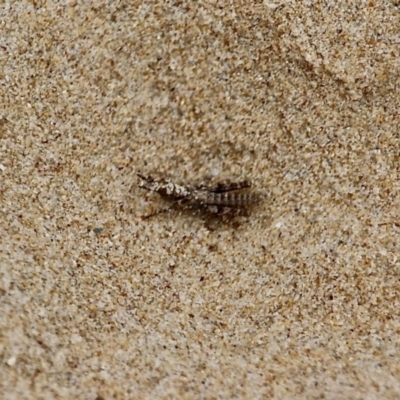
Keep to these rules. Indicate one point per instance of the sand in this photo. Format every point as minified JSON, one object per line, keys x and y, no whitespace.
{"x":297,"y":300}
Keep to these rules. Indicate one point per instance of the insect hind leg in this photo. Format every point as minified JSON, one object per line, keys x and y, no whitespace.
{"x":223,"y":187}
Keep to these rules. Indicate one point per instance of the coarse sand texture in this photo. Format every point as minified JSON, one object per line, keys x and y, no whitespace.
{"x":297,"y":299}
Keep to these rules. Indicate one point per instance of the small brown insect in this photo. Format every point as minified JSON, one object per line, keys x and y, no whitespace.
{"x":222,"y":198}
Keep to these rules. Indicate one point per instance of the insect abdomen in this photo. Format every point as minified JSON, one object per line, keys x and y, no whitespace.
{"x":229,"y":199}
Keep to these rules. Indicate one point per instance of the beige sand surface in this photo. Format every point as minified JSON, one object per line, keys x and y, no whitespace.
{"x":298,"y":301}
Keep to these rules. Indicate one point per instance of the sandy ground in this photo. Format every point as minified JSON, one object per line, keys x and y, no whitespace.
{"x":299,"y":300}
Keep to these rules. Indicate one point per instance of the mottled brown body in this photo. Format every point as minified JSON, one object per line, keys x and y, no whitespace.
{"x":216,"y":199}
